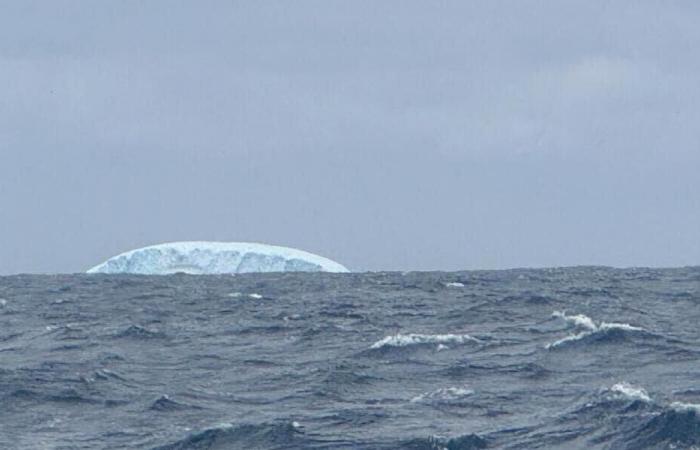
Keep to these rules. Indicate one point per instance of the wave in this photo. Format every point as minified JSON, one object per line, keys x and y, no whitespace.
{"x":137,"y":332}
{"x":627,"y":384}
{"x":404,"y":340}
{"x":164,"y":404}
{"x":290,"y":436}
{"x":67,"y":332}
{"x":466,"y":442}
{"x":102,"y":376}
{"x":344,"y":383}
{"x":525,"y":370}
{"x":66,"y":396}
{"x":247,"y":436}
{"x":443,"y":395}
{"x":631,"y":392}
{"x":527,"y":298}
{"x":681,"y":407}
{"x":360,"y":417}
{"x":106,"y":374}
{"x":601,"y":330}
{"x":677,"y":426}
{"x":625,"y":417}
{"x":344,"y":376}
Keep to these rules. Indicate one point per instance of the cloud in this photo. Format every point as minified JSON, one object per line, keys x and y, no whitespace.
{"x":387,"y":134}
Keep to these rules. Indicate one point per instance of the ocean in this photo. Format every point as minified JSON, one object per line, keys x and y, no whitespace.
{"x":570,"y":358}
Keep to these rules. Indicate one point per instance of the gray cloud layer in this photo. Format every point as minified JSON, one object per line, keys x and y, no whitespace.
{"x":386,"y":135}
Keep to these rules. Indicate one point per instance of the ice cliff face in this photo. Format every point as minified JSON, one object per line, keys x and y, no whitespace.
{"x":215,"y":257}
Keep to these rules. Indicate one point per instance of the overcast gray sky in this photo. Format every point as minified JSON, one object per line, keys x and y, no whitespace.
{"x":387,"y":135}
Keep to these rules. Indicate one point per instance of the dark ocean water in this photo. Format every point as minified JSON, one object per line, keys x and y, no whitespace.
{"x":579,"y":358}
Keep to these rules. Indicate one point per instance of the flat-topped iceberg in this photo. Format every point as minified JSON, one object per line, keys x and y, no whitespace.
{"x":215,"y":258}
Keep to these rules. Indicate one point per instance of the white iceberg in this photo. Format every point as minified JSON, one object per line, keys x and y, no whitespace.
{"x":215,"y":258}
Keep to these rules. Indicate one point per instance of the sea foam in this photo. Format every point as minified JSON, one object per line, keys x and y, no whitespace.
{"x":589,"y":327}
{"x":403,"y":340}
{"x":443,"y":395}
{"x":631,"y":392}
{"x":686,"y":407}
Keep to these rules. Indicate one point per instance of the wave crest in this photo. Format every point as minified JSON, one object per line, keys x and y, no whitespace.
{"x":404,"y":340}
{"x":590,"y":328}
{"x":631,"y":392}
{"x":443,"y":395}
{"x":226,"y":436}
{"x":466,"y":442}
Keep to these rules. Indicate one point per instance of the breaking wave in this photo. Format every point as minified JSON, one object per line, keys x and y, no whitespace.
{"x":405,"y":340}
{"x":591,"y":329}
{"x":631,"y":392}
{"x":443,"y":395}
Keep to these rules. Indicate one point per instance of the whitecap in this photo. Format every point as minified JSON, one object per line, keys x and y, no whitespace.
{"x":455,"y":284}
{"x":631,"y":392}
{"x":3,"y":302}
{"x":590,"y":327}
{"x":403,"y":340}
{"x":240,"y":294}
{"x":618,"y":326}
{"x":686,"y":407}
{"x":574,"y":337}
{"x":578,"y":320}
{"x":450,"y":394}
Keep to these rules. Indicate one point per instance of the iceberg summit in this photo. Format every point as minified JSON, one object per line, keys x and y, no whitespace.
{"x":215,"y":258}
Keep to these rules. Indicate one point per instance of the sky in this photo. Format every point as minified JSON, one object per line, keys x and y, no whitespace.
{"x":386,"y":135}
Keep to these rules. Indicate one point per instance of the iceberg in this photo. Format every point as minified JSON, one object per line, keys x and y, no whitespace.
{"x":215,"y":258}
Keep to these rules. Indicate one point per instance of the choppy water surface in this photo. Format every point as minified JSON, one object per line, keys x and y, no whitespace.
{"x":581,"y":358}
